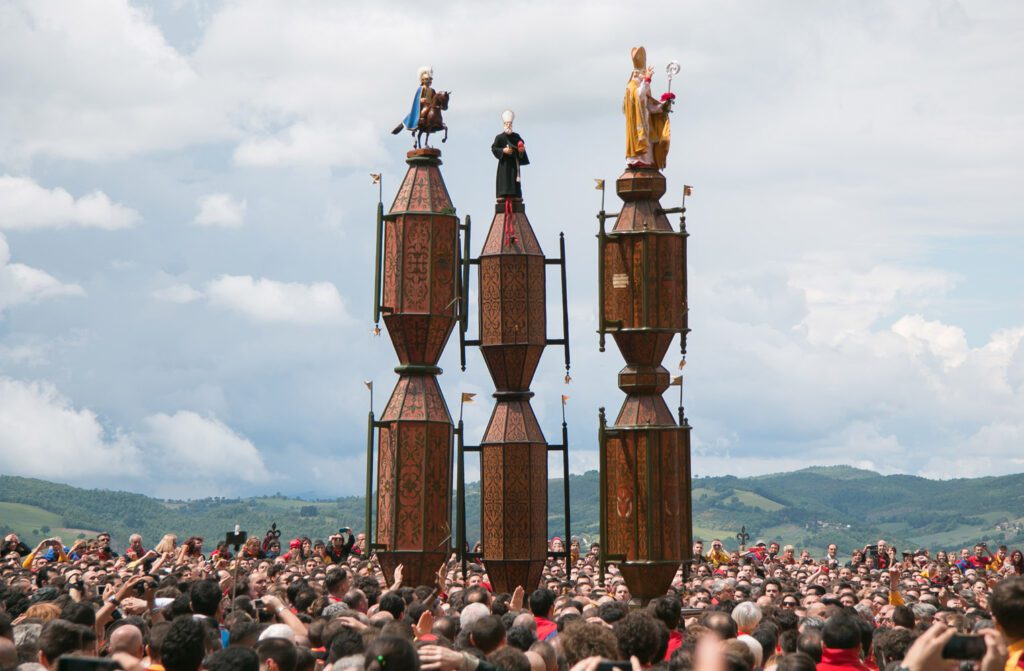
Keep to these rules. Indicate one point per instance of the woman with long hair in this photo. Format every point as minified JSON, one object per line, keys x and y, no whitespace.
{"x":1017,"y":562}
{"x":167,"y":544}
{"x":251,"y":549}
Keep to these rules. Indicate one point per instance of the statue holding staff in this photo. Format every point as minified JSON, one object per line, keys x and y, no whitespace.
{"x":647,"y":125}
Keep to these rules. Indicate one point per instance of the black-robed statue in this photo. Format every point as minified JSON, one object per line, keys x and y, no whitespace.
{"x":510,"y":151}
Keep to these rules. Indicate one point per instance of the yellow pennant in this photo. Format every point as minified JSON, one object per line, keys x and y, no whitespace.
{"x":467,"y":397}
{"x":375,"y":176}
{"x":599,"y":184}
{"x":677,"y":381}
{"x":564,"y":399}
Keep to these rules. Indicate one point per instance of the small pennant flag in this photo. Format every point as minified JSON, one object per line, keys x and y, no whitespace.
{"x":599,"y":184}
{"x":687,"y":190}
{"x":375,"y":176}
{"x":369,"y":384}
{"x":677,"y":381}
{"x":467,"y":397}
{"x":564,"y":399}
{"x":682,"y":364}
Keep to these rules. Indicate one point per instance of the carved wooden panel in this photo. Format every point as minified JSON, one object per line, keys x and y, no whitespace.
{"x":414,"y":462}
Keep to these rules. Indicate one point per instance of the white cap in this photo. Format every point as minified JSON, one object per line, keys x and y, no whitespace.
{"x":278,"y":631}
{"x":508,"y":116}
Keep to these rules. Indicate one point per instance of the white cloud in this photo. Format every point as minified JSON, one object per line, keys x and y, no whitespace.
{"x":43,"y":435}
{"x":843,"y":304}
{"x":856,"y":374}
{"x":98,"y":82}
{"x":177,"y":293}
{"x":265,"y":300}
{"x":21,"y":284}
{"x":26,"y":205}
{"x":220,"y":209}
{"x":948,"y":343}
{"x":203,"y":447}
{"x":182,"y":454}
{"x":312,"y":143}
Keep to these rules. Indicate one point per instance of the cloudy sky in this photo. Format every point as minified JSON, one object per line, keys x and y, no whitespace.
{"x":186,"y":226}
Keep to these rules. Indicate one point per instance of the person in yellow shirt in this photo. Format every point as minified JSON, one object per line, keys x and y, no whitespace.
{"x":55,"y":554}
{"x":718,"y":555}
{"x":1007,"y":602}
{"x":998,"y":560}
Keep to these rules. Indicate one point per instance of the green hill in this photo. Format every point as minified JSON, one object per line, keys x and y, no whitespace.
{"x":808,"y":508}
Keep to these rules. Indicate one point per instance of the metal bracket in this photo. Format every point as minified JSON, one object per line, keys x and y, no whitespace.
{"x":460,"y":494}
{"x":464,"y":263}
{"x":602,"y":240}
{"x":377,"y":260}
{"x":370,"y":426}
{"x":602,"y":424}
{"x":564,"y":449}
{"x":564,"y":340}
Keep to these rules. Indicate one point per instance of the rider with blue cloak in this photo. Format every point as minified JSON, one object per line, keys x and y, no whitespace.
{"x":422,"y":101}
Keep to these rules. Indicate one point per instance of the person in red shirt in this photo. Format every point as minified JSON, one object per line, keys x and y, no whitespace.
{"x":841,"y":644}
{"x":668,"y":609}
{"x":979,"y":560}
{"x":542,"y":605}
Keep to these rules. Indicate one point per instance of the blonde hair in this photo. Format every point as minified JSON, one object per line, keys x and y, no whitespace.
{"x":166,"y":544}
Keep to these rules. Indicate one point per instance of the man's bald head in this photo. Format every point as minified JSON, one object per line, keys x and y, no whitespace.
{"x":526,"y":620}
{"x":536,"y":661}
{"x":127,"y":638}
{"x":547,"y":653}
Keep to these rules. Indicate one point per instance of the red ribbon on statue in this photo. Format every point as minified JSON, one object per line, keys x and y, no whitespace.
{"x":510,"y":232}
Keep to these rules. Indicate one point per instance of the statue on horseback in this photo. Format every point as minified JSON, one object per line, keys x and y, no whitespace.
{"x":425,"y":116}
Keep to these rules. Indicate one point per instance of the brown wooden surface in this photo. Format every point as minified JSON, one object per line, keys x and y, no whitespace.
{"x":646,"y":465}
{"x":414,"y":459}
{"x":513,"y":451}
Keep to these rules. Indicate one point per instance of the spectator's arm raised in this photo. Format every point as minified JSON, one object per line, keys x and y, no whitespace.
{"x":276,"y":606}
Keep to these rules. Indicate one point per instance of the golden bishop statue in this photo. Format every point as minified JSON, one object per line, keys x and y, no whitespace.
{"x":647,"y":125}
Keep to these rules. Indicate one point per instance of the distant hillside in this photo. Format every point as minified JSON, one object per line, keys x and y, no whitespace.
{"x":808,"y":508}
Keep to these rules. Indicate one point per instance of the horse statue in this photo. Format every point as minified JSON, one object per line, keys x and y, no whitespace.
{"x":430,"y":121}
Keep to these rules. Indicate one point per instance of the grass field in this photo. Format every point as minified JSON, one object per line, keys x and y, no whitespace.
{"x":31,"y":522}
{"x":757,"y":501}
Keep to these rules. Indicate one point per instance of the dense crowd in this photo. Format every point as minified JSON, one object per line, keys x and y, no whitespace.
{"x":316,"y":606}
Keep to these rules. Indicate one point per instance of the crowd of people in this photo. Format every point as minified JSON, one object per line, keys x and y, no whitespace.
{"x":326,"y":606}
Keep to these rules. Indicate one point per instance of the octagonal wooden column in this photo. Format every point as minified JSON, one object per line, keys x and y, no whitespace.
{"x":419,"y":302}
{"x":645,"y":455}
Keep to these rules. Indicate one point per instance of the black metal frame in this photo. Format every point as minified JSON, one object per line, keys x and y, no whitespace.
{"x":466,"y":261}
{"x":460,"y":493}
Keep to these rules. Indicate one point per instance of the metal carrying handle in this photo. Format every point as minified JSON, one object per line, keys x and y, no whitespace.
{"x":370,"y":426}
{"x":377,"y":263}
{"x":463,"y":282}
